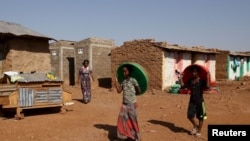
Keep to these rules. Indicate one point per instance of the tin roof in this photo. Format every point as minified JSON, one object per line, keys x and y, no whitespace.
{"x":36,"y":77}
{"x":19,"y":30}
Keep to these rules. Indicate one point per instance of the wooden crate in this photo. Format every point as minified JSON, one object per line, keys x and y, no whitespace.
{"x":22,"y":99}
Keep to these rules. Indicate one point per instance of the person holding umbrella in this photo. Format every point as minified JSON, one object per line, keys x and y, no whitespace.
{"x":196,"y":105}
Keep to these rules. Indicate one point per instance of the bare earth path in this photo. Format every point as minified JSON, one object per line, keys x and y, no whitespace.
{"x":162,"y":116}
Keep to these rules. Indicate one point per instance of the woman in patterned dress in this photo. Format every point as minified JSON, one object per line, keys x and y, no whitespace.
{"x":85,"y":75}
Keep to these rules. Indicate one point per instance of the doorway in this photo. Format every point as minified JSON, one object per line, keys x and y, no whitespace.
{"x":71,"y":71}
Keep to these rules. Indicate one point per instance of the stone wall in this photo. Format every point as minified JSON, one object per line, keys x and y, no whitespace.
{"x":55,"y":61}
{"x":68,"y":70}
{"x":97,"y":51}
{"x":62,"y":59}
{"x":80,"y":56}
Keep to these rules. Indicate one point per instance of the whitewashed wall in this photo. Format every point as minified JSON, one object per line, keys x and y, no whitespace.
{"x":233,"y":75}
{"x":171,"y":63}
{"x":187,"y":60}
{"x":168,"y":69}
{"x":208,"y":61}
{"x":179,"y":61}
{"x":212,"y":67}
{"x":245,"y":64}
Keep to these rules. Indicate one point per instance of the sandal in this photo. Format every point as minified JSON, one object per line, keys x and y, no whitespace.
{"x":193,"y":131}
{"x":197,"y":135}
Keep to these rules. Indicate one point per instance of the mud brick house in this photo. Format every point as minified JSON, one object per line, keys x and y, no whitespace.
{"x":22,"y":49}
{"x":160,"y":60}
{"x":97,"y":51}
{"x":63,"y":60}
{"x":232,"y":66}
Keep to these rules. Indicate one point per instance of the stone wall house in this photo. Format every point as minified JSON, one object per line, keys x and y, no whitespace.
{"x":232,"y":65}
{"x":63,"y":60}
{"x":97,"y":51}
{"x":22,"y":49}
{"x":160,"y":60}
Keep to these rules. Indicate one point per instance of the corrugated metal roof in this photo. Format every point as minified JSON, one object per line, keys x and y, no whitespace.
{"x":36,"y":77}
{"x":19,"y":30}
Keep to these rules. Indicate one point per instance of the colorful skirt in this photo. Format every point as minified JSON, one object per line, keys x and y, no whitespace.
{"x":86,"y":90}
{"x":127,"y":124}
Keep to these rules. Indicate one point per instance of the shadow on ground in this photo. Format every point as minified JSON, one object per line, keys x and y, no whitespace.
{"x":110,"y":128}
{"x":79,"y":100}
{"x":169,"y":125}
{"x":10,"y":113}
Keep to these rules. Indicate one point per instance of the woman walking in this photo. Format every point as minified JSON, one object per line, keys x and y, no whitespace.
{"x":85,"y":75}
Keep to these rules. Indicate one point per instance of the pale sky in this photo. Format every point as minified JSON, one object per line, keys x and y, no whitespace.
{"x":222,"y":24}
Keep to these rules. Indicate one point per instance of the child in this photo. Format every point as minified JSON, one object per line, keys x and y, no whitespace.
{"x":127,"y":125}
{"x":196,"y":105}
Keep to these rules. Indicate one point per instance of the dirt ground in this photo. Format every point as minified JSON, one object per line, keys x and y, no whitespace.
{"x":161,"y":115}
